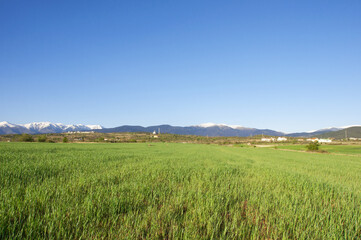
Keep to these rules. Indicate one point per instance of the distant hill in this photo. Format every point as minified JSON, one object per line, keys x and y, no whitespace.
{"x":313,"y":133}
{"x":211,"y":130}
{"x":354,"y":132}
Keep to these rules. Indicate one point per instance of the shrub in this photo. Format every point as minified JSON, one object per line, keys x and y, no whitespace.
{"x":26,"y":138}
{"x":42,"y":138}
{"x":65,"y":140}
{"x":313,"y":146}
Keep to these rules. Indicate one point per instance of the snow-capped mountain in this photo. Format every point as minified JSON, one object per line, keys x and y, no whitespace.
{"x":207,"y":125}
{"x":9,"y":128}
{"x":43,"y":127}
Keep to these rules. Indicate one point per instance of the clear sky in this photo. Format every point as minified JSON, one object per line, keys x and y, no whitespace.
{"x":283,"y":65}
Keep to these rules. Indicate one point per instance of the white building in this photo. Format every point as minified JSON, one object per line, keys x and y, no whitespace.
{"x":267,"y":139}
{"x":324,"y":140}
{"x":281,"y":139}
{"x":354,"y":139}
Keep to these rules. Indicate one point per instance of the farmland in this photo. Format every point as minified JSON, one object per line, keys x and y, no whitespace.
{"x":176,"y":191}
{"x":352,"y":149}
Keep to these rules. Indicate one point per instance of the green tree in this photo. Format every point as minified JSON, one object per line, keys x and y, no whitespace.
{"x":65,"y":140}
{"x":313,"y":146}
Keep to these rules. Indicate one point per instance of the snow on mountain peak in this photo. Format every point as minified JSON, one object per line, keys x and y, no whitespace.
{"x":6,"y":124}
{"x":333,"y":128}
{"x":37,"y":124}
{"x":206,"y":125}
{"x":93,"y":127}
{"x":350,"y":126}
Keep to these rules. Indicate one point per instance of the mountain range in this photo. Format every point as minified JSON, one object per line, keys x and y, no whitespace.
{"x":206,"y":129}
{"x":211,"y":130}
{"x":43,"y":127}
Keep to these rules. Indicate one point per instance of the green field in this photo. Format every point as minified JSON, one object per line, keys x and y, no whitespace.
{"x":339,"y":149}
{"x":176,"y":191}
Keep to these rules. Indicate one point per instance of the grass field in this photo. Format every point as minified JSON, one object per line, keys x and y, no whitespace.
{"x":341,"y":149}
{"x":176,"y":191}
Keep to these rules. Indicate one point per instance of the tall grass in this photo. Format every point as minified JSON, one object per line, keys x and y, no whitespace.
{"x":176,"y":191}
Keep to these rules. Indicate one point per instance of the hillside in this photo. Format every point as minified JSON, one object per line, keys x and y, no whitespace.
{"x":313,"y":133}
{"x":211,"y":131}
{"x":352,"y":132}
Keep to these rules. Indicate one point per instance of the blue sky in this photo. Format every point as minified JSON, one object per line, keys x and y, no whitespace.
{"x":283,"y":65}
